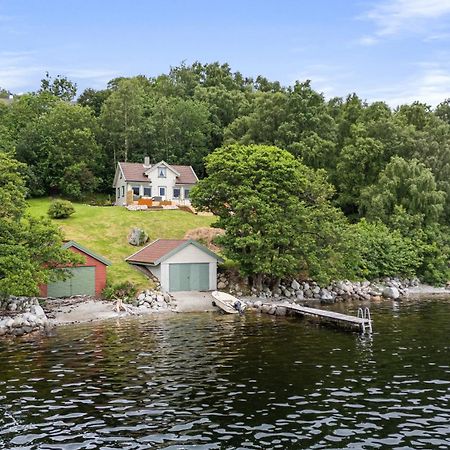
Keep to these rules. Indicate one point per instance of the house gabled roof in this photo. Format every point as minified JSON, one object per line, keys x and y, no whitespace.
{"x":158,"y":251}
{"x":162,"y":163}
{"x":69,"y":244}
{"x":136,"y":172}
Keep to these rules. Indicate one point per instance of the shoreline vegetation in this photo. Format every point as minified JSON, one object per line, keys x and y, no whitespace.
{"x":302,"y":186}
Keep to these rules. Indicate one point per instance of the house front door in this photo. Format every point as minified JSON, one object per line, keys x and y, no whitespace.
{"x":162,"y":191}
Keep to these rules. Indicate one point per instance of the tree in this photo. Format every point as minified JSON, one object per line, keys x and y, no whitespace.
{"x":94,"y":99}
{"x":122,"y":117}
{"x":407,"y":184}
{"x":443,"y":110}
{"x":224,"y":107}
{"x":178,"y":131}
{"x":261,"y":125}
{"x":275,"y":211}
{"x":7,"y":143}
{"x":296,"y":119}
{"x":61,"y":151}
{"x":4,"y":93}
{"x":29,"y":248}
{"x":27,"y":108}
{"x":60,"y":87}
{"x":358,"y":166}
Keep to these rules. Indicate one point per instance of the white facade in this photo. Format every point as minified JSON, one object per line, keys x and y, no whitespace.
{"x":121,"y":187}
{"x":160,"y":180}
{"x":188,"y":255}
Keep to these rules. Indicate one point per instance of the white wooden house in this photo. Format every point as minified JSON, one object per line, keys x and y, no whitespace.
{"x":133,"y":181}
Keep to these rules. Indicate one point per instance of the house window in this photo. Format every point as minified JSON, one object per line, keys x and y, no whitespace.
{"x":186,"y":193}
{"x":118,"y":192}
{"x":135,"y":190}
{"x":147,"y":191}
{"x":162,"y":172}
{"x":176,"y":192}
{"x":162,"y":191}
{"x":123,"y":191}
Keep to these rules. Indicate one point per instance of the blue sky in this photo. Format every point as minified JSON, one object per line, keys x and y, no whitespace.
{"x":392,"y":50}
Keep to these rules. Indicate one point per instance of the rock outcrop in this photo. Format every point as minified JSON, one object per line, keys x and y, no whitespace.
{"x":21,"y":315}
{"x":155,"y":300}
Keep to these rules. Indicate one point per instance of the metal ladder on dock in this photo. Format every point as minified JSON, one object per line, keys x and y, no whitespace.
{"x":364,"y":314}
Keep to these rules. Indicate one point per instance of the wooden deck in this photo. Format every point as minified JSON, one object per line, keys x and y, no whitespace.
{"x":338,"y":319}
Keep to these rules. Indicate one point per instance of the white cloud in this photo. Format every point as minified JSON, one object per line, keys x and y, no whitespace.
{"x":96,"y":78}
{"x":368,"y":40}
{"x":392,"y":17}
{"x":324,"y":78}
{"x":431,"y":86}
{"x":19,"y":71}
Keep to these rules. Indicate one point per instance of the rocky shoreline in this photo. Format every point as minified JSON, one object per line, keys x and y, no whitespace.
{"x":338,"y":291}
{"x":21,"y":315}
{"x":334,"y":292}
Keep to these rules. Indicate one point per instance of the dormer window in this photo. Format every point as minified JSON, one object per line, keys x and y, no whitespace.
{"x":162,"y":172}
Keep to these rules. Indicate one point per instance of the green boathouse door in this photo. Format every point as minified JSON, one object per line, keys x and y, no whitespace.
{"x":189,"y":277}
{"x":82,"y":282}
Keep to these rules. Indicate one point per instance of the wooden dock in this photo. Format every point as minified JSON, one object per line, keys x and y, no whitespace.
{"x":362,"y":322}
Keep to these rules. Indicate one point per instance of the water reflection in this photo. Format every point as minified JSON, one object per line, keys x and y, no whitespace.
{"x":209,"y":382}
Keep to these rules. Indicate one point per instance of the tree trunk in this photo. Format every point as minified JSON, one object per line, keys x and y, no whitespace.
{"x":276,"y":283}
{"x":257,"y":280}
{"x":126,"y":136}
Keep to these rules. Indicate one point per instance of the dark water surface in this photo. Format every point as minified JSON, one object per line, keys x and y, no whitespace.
{"x":207,"y":381}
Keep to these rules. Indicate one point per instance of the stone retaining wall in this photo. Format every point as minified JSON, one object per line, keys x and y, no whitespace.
{"x":21,"y":315}
{"x":334,"y":292}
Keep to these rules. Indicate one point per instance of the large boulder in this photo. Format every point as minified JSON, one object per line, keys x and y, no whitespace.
{"x":391,"y":292}
{"x":37,"y":310}
{"x":137,"y":237}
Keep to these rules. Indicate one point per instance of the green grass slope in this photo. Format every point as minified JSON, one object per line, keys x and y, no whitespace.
{"x":104,"y":230}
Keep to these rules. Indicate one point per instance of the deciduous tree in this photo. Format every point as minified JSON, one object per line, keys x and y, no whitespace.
{"x":29,"y":248}
{"x":275,"y":212}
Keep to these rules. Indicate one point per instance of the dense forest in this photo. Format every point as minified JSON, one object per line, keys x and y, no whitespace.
{"x":389,"y":169}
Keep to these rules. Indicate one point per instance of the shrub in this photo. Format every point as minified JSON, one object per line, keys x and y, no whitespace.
{"x":382,"y":252}
{"x":434,"y":246}
{"x":60,"y":209}
{"x":124,"y":290}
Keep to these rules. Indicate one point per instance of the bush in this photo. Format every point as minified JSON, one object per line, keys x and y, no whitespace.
{"x":382,"y":252}
{"x":124,"y":291}
{"x":60,"y":209}
{"x":434,"y":246}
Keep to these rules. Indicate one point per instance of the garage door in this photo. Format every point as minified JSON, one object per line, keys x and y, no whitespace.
{"x":82,"y":282}
{"x":189,"y":277}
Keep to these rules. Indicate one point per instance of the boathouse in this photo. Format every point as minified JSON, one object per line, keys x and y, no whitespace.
{"x":179,"y":264}
{"x":88,"y":278}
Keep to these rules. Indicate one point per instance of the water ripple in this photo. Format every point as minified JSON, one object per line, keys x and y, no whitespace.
{"x":211,"y":382}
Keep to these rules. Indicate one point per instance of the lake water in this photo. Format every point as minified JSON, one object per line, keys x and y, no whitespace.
{"x":207,"y":381}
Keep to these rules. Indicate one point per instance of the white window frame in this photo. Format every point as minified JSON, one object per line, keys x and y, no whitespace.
{"x":138,"y":188}
{"x":179,"y":193}
{"x":163,"y":170}
{"x":159,"y":191}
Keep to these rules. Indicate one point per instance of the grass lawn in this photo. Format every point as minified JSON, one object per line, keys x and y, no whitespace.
{"x":104,"y":230}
